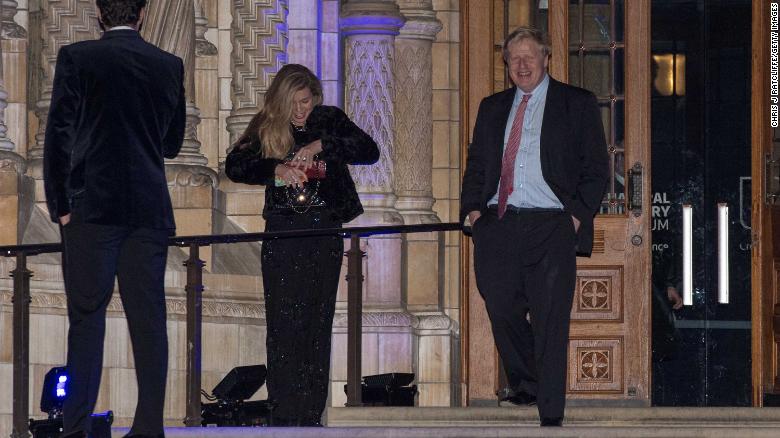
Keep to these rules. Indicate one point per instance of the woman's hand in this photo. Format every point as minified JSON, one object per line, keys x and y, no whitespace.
{"x":292,"y":176}
{"x":305,"y":156}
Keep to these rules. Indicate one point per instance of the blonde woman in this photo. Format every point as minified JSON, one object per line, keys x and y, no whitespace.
{"x":299,"y":149}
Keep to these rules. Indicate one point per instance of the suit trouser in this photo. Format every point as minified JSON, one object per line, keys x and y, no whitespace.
{"x":93,"y":256}
{"x":525,"y":263}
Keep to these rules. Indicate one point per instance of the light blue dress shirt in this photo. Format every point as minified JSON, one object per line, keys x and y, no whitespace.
{"x":530,"y":189}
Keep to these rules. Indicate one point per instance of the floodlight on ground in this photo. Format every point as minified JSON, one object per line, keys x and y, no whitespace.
{"x":230,"y":407}
{"x":56,"y":387}
{"x":389,"y":389}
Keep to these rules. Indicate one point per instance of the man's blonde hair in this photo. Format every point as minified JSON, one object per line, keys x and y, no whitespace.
{"x":527,"y":32}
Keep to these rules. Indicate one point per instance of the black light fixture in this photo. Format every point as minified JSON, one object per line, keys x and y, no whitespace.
{"x":56,"y":386}
{"x":389,"y":389}
{"x":230,"y":408}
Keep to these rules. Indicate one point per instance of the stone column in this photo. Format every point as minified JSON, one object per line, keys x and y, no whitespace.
{"x":202,"y":46}
{"x":12,"y":165}
{"x":259,"y":35}
{"x":370,"y":28}
{"x":170,"y":25}
{"x":207,"y":90}
{"x":63,"y":22}
{"x":5,"y":143}
{"x":259,"y":51}
{"x":413,"y":151}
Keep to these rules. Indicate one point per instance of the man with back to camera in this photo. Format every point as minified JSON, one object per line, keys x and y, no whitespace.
{"x":535,"y":176}
{"x":117,"y":109}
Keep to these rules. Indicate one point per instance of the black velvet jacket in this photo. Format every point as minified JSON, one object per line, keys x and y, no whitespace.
{"x":117,"y":108}
{"x":343,"y":143}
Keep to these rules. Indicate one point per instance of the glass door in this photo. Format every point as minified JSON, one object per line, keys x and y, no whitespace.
{"x":701,"y":167}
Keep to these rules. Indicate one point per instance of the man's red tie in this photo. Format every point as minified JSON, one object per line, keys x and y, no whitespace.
{"x":506,"y":185}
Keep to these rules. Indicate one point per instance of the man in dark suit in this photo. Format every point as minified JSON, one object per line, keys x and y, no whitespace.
{"x":117,"y":109}
{"x":535,"y":175}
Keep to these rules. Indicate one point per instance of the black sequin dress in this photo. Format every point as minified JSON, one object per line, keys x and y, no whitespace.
{"x":300,"y":275}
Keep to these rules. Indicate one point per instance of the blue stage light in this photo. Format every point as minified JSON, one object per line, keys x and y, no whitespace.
{"x":55,"y":389}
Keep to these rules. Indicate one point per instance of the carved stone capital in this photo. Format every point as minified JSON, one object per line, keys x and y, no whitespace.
{"x":436,"y":322}
{"x":421,"y":22}
{"x":12,"y":161}
{"x":420,"y":29}
{"x":182,"y":175}
{"x":370,"y":18}
{"x":203,"y":47}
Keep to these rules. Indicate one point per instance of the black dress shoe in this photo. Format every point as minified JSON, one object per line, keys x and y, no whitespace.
{"x":552,"y":421}
{"x":516,"y":397}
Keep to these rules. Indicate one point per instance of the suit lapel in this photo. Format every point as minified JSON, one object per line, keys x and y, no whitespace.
{"x":500,"y":121}
{"x":554,"y":114}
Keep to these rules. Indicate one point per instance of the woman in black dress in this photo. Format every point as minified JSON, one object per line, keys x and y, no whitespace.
{"x":299,"y":149}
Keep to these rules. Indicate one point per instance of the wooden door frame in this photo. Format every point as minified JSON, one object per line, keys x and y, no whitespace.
{"x":476,"y":54}
{"x":763,"y":351}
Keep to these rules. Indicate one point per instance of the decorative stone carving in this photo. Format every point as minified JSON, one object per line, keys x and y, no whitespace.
{"x":370,"y":28}
{"x":434,"y":322}
{"x":174,"y":306}
{"x":9,"y":29}
{"x":377,"y":319}
{"x":64,"y":22}
{"x":203,"y":47}
{"x":11,"y":161}
{"x":259,"y":51}
{"x":190,"y":176}
{"x":170,"y":25}
{"x":413,"y":151}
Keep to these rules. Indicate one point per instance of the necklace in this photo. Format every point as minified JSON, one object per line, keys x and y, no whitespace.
{"x":296,"y":128}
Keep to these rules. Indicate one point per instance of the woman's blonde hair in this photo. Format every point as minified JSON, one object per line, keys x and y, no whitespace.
{"x":272,"y":123}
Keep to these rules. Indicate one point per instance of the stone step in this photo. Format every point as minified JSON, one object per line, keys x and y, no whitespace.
{"x":575,"y":416}
{"x":474,"y":431}
{"x":478,"y":422}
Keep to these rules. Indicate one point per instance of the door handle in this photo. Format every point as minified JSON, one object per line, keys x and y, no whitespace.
{"x":723,"y":253}
{"x":771,"y":179}
{"x":635,"y":189}
{"x":687,"y":274}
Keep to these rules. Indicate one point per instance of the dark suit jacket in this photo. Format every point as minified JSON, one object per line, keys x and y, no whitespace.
{"x":572,"y":148}
{"x":117,"y":109}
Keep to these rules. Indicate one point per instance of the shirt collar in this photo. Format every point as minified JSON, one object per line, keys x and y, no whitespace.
{"x":120,"y":28}
{"x":537,"y":93}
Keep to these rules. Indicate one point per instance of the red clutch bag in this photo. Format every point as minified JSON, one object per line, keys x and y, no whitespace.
{"x":317,"y":170}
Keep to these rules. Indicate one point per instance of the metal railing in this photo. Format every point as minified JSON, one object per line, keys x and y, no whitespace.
{"x":194,"y":290}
